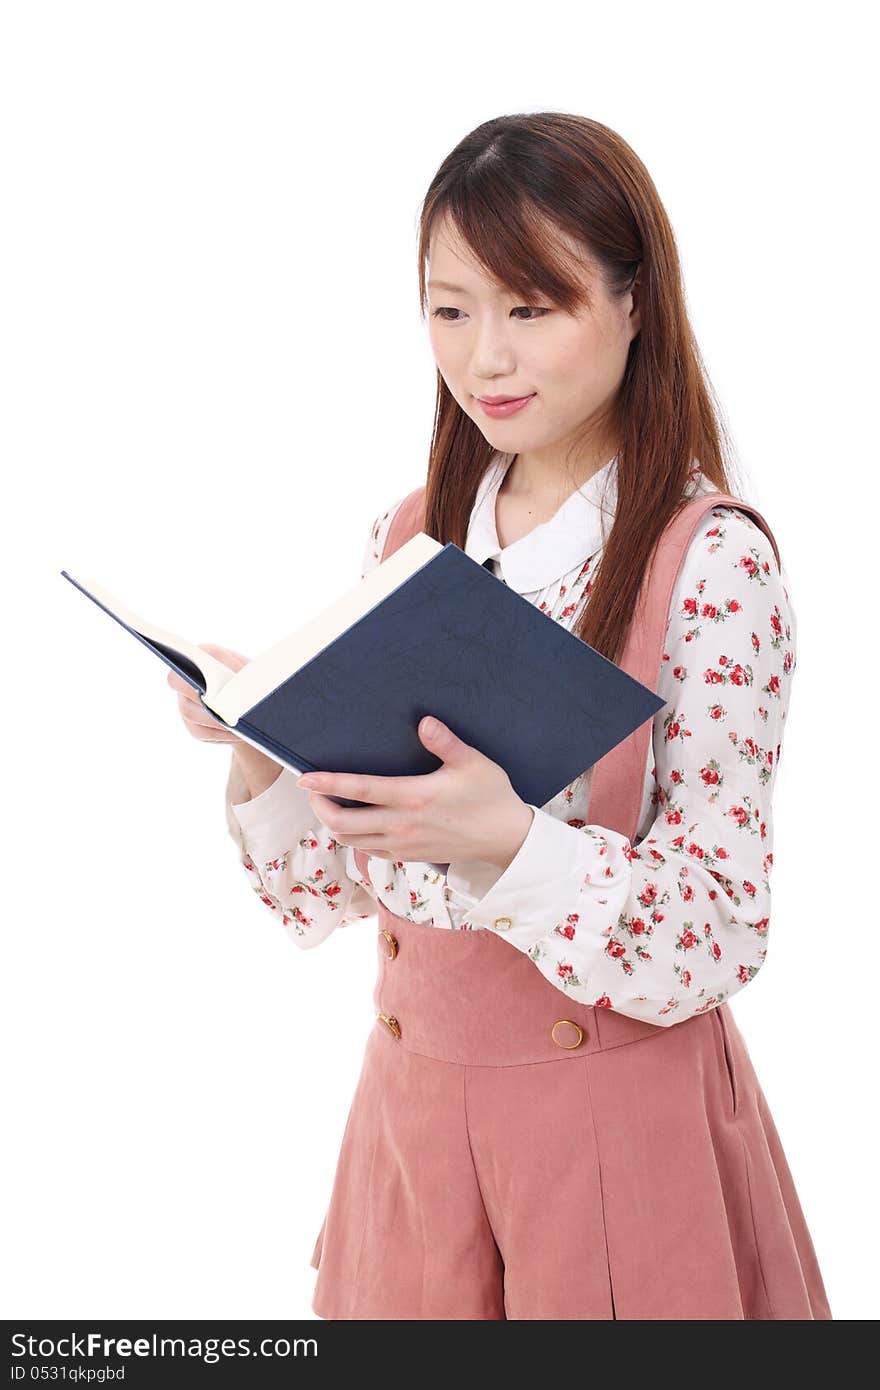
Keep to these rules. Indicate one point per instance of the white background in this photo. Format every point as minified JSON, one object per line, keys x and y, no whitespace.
{"x":214,"y":377}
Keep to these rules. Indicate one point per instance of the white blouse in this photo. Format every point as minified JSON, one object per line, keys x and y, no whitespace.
{"x":660,"y":929}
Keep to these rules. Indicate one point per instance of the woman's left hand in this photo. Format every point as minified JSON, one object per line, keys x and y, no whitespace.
{"x":466,"y":809}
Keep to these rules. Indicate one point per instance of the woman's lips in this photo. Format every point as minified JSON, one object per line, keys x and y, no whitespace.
{"x":504,"y":408}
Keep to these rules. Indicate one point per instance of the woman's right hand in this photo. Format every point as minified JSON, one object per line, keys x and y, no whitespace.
{"x":257,"y":769}
{"x":196,"y":718}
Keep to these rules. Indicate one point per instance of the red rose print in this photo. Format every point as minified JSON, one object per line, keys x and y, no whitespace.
{"x":723,"y":748}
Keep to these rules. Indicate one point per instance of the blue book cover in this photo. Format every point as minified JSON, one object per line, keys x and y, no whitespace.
{"x":428,"y":631}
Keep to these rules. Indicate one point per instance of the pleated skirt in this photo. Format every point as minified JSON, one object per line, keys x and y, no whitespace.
{"x":509,"y":1153}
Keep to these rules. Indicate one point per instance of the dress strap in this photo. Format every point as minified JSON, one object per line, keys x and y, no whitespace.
{"x":617,"y":780}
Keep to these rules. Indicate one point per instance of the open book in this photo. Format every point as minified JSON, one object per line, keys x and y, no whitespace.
{"x":427,"y":631}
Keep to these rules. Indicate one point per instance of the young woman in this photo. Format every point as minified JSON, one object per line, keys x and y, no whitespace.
{"x":557,"y":1116}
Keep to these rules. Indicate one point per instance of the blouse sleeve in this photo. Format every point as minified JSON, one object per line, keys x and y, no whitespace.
{"x":293,"y":864}
{"x":675,"y":924}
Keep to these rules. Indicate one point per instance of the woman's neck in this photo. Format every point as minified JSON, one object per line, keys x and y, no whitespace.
{"x":544,"y":483}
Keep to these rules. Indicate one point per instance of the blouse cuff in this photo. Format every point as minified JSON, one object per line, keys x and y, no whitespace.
{"x":542,"y":881}
{"x":276,"y":820}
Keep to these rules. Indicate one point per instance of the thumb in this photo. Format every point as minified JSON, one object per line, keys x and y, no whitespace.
{"x":440,"y":739}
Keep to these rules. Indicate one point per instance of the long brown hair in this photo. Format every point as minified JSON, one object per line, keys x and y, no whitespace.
{"x":501,"y":187}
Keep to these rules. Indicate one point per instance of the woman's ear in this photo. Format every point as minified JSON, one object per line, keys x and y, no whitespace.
{"x":635,"y":317}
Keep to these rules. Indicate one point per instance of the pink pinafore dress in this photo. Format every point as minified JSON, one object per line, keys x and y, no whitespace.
{"x":511,"y":1153}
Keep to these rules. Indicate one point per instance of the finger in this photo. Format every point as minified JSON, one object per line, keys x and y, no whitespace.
{"x":351,"y":822}
{"x":377,"y":850}
{"x":358,"y":786}
{"x":178,"y":683}
{"x":230,"y":658}
{"x":196,"y":717}
{"x":191,"y":708}
{"x":215,"y":735}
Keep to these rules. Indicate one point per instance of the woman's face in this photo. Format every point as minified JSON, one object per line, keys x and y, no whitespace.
{"x":487,"y":342}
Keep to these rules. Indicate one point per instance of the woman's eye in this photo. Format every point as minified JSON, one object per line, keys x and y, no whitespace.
{"x":521,"y":309}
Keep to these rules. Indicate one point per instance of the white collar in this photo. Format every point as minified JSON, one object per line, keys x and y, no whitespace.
{"x":553,"y":548}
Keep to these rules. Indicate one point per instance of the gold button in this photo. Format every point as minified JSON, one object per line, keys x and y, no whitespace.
{"x":502,"y":923}
{"x":567,"y":1023}
{"x":390,"y":1022}
{"x":392,"y":943}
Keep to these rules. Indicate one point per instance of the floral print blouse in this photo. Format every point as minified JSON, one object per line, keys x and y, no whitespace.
{"x":663,"y":928}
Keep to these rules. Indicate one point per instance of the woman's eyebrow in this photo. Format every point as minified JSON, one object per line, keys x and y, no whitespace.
{"x":444,"y":285}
